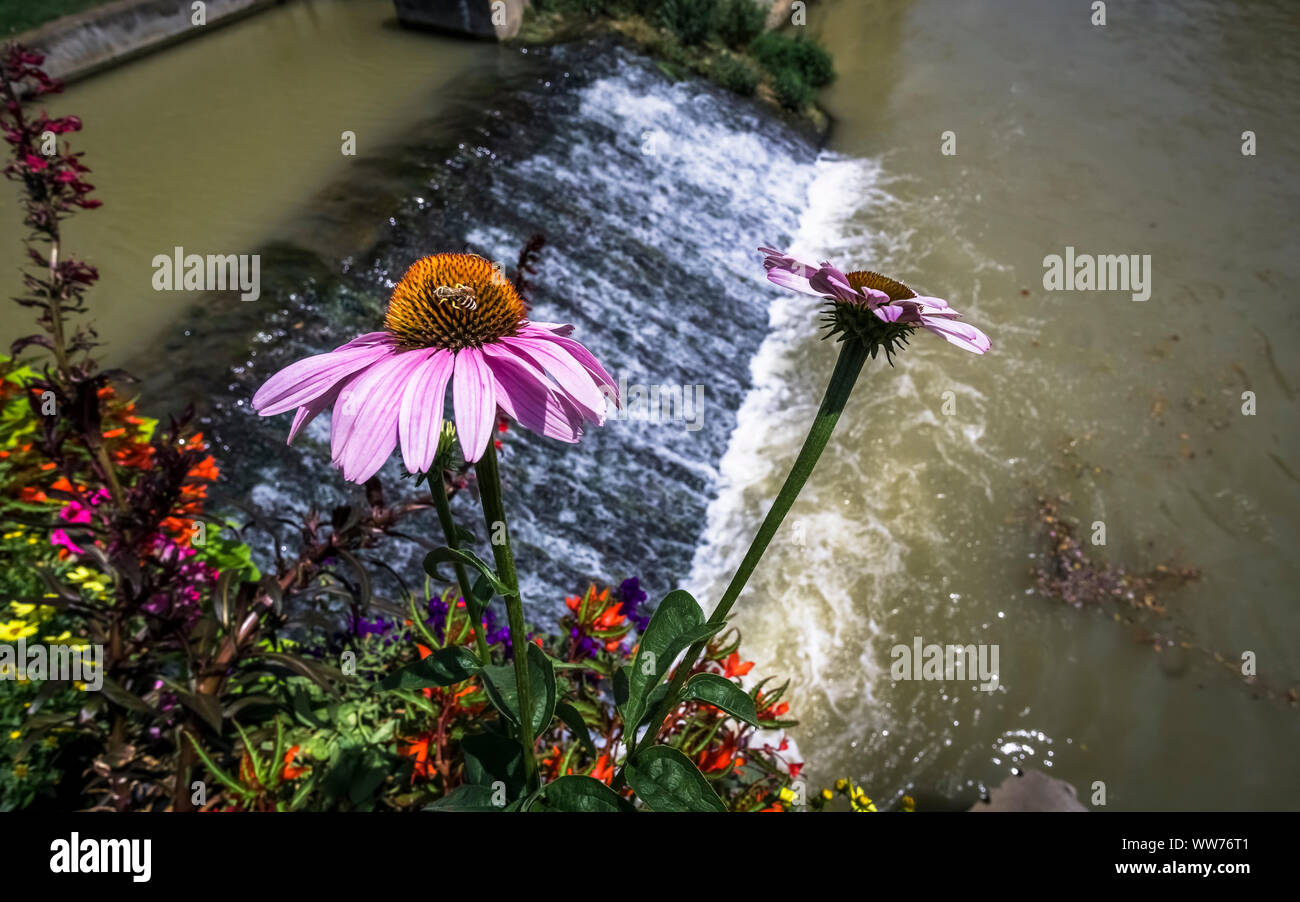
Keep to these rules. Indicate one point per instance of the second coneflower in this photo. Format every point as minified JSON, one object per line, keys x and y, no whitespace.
{"x":452,"y":318}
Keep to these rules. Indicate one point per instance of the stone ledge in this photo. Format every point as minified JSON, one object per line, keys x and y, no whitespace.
{"x":95,"y":39}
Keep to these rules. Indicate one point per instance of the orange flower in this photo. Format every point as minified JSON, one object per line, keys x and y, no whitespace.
{"x":418,"y":749}
{"x":734,"y":667}
{"x":603,"y":770}
{"x":290,"y":772}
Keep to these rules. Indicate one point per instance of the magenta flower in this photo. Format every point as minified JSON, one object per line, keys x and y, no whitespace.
{"x":452,"y":318}
{"x":891,"y":301}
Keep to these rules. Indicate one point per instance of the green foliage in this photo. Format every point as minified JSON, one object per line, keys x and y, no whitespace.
{"x":722,"y":693}
{"x":739,"y":22}
{"x":666,"y":780}
{"x":677,"y":623}
{"x":735,"y":74}
{"x":692,"y":21}
{"x":792,"y":91}
{"x":781,"y":55}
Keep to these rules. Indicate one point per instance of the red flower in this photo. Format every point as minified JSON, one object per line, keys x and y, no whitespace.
{"x":734,"y":667}
{"x":290,"y":772}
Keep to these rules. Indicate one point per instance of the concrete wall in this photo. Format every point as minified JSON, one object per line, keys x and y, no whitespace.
{"x":76,"y":46}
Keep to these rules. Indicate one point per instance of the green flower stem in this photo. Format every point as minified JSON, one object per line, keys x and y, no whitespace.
{"x":443,"y":505}
{"x":489,"y":486}
{"x":852,"y":356}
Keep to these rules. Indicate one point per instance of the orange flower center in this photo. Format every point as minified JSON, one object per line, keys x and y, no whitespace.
{"x":897,"y":291}
{"x":453,"y":301}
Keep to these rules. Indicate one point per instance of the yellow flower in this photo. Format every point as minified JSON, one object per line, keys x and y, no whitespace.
{"x":785,"y":795}
{"x":81,"y":687}
{"x":15,"y":630}
{"x":21,"y":609}
{"x":13,"y":535}
{"x":827,"y":794}
{"x":20,"y":771}
{"x":16,"y":734}
{"x":841,"y":783}
{"x":909,"y":803}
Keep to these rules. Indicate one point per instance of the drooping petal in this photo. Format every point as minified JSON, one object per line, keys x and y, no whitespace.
{"x":524,"y":393}
{"x":364,"y":427}
{"x":311,"y":410}
{"x":557,"y":328}
{"x":419,"y":421}
{"x":787,"y":271}
{"x":963,"y":335}
{"x":830,"y":282}
{"x":572,"y":378}
{"x":305,"y":380}
{"x":473,"y":395}
{"x":582,"y":355}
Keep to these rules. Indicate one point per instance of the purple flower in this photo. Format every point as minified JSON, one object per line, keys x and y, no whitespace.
{"x":631,"y":595}
{"x":891,"y":301}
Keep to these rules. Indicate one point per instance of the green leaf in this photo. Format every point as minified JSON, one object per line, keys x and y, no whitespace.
{"x":666,"y":780}
{"x":444,"y":667}
{"x":491,"y":757}
{"x":466,"y":797}
{"x":470,"y":559}
{"x":722,"y":693}
{"x":499,"y":680}
{"x":579,"y":793}
{"x":573,"y":720}
{"x":676,"y":624}
{"x":480,"y":595}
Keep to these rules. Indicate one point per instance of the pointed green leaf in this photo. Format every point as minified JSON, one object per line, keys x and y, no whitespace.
{"x":722,"y":693}
{"x":499,"y":681}
{"x":470,"y":559}
{"x":676,"y":624}
{"x":466,"y":797}
{"x":491,"y":757}
{"x":444,"y":667}
{"x":579,"y":793}
{"x":573,"y":720}
{"x":666,"y":780}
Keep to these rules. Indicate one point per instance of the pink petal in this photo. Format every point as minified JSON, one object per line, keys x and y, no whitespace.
{"x":305,"y":380}
{"x":525,"y":394}
{"x":311,"y":410}
{"x":581,"y":354}
{"x":364,"y":428}
{"x":963,"y":335}
{"x":419,"y":422}
{"x":473,"y":395}
{"x":570,"y":375}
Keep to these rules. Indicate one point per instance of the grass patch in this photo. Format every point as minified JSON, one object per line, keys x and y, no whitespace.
{"x":20,"y":15}
{"x":723,"y":40}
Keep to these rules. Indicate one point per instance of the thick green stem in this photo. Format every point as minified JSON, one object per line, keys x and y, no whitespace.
{"x":438,"y":488}
{"x":494,"y":513}
{"x":852,"y":355}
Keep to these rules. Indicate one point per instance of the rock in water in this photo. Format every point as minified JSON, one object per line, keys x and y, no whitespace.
{"x":1031,"y":791}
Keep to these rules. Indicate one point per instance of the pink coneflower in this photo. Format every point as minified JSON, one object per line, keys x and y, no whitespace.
{"x":890,"y":300}
{"x":452,"y":318}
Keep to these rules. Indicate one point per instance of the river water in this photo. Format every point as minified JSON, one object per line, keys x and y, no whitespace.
{"x":919,"y":521}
